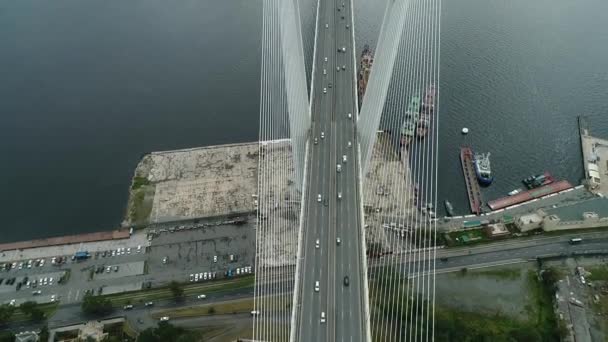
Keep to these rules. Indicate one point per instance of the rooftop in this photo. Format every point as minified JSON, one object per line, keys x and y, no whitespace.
{"x":575,"y":211}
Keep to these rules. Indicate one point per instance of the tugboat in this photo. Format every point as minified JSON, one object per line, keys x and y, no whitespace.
{"x":408,"y":128}
{"x":483,"y":170}
{"x":449,"y":208}
{"x":426,"y":112}
{"x":538,"y":180}
{"x":365,"y":68}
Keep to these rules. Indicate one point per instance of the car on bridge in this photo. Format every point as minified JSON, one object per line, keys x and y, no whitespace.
{"x":322,"y":316}
{"x":338,"y":241}
{"x":319,"y":198}
{"x":350,"y":144}
{"x":349,"y":115}
{"x":316,"y":141}
{"x":346,"y":281}
{"x":339,"y":195}
{"x":344,"y":158}
{"x":322,"y":135}
{"x":317,"y":286}
{"x":317,"y":243}
{"x":338,"y":168}
{"x":324,"y":90}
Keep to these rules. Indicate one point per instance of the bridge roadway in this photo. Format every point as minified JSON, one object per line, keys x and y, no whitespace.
{"x":332,"y":218}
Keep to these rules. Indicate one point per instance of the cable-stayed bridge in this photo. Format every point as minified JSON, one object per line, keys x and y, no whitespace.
{"x":320,"y":232}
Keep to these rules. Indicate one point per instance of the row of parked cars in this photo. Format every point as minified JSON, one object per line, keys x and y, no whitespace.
{"x":108,"y":269}
{"x":194,"y":277}
{"x":119,"y":251}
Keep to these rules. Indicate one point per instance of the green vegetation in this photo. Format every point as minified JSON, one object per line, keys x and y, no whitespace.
{"x":228,"y":307}
{"x":598,"y":273}
{"x":96,"y":305}
{"x":167,"y":332}
{"x":176,"y":290}
{"x":142,"y":296}
{"x":7,"y":336}
{"x":26,"y":311}
{"x":467,"y":237}
{"x":458,"y":325}
{"x":139,"y":210}
{"x":43,"y":335}
{"x":6,"y":312}
{"x":501,"y":273}
{"x":32,"y":310}
{"x":138,"y":182}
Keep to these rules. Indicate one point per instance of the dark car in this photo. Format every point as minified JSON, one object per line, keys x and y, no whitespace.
{"x":444,"y":259}
{"x":346,"y":281}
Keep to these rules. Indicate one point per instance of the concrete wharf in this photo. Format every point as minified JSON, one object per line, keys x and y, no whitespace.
{"x":473,"y":191}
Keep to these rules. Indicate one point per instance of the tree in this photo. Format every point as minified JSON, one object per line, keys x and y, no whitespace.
{"x":43,"y":335}
{"x":31,"y":309}
{"x":6,"y":312}
{"x":96,"y":305}
{"x":176,"y":289}
{"x":211,"y":310}
{"x":7,"y":336}
{"x":166,"y":332}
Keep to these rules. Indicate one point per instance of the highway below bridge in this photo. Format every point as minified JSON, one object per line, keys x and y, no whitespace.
{"x":331,"y":298}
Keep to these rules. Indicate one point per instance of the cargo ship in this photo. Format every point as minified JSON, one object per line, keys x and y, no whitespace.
{"x":365,"y":68}
{"x":483,"y":169}
{"x":538,"y":180}
{"x":426,"y":111}
{"x":408,"y":128}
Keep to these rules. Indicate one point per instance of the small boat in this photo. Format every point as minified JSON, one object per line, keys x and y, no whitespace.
{"x":538,"y":180}
{"x":515,"y":192}
{"x":449,"y":208}
{"x":465,"y":131}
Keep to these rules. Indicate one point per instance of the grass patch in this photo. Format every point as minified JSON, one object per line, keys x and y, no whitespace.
{"x":140,"y":206}
{"x":142,"y":296}
{"x":467,"y":237}
{"x":228,"y":307}
{"x":501,"y":273}
{"x":48,"y":309}
{"x":139,"y":182}
{"x":598,"y":273}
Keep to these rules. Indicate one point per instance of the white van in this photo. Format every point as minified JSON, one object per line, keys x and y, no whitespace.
{"x":322,"y":316}
{"x":317,"y":286}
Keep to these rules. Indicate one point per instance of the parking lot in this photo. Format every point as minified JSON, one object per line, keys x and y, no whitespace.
{"x":219,"y":250}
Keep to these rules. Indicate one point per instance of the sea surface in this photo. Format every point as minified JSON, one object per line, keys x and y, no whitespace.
{"x":87,"y":87}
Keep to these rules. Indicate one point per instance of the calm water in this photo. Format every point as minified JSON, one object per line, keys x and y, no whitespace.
{"x":89,"y":86}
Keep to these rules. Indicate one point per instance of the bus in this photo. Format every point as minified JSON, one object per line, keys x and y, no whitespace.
{"x":575,"y":241}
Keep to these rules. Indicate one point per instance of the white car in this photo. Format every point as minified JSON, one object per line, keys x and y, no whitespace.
{"x":350,"y":115}
{"x":344,"y":158}
{"x":319,"y":198}
{"x":164,"y":319}
{"x":317,"y":286}
{"x":21,"y":265}
{"x":52,"y":260}
{"x":322,"y":135}
{"x":350,"y":144}
{"x":343,"y":67}
{"x":191,"y":277}
{"x":338,"y":241}
{"x":322,"y":316}
{"x":36,"y":293}
{"x":113,"y":253}
{"x":339,"y":195}
{"x":326,"y":59}
{"x":324,"y":90}
{"x":51,"y":281}
{"x":139,"y":249}
{"x":12,"y":302}
{"x":128,"y":307}
{"x":205,"y":275}
{"x":54,"y":298}
{"x":338,"y":168}
{"x":196,"y":277}
{"x":317,"y":244}
{"x":129,"y":250}
{"x":255,"y":312}
{"x":201,"y":296}
{"x":326,"y":25}
{"x":324,"y":71}
{"x":215,"y":258}
{"x":41,"y":262}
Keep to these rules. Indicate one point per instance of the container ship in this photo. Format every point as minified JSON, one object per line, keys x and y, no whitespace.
{"x":483,"y":169}
{"x":365,"y":68}
{"x":538,"y":180}
{"x":426,"y":111}
{"x":408,"y":128}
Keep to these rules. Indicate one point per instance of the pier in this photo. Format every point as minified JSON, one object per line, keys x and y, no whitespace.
{"x":529,"y":195}
{"x":473,"y":191}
